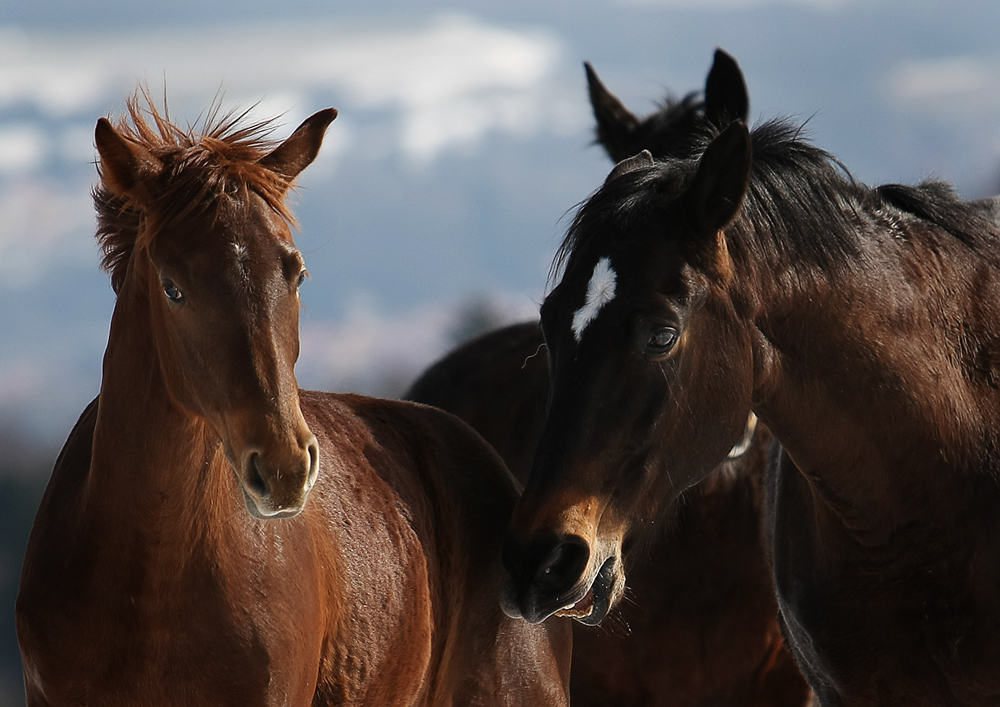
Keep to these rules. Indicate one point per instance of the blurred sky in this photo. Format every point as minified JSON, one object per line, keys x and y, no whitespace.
{"x":464,"y":140}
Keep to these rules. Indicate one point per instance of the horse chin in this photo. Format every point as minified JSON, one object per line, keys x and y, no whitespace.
{"x":604,"y":592}
{"x":268,"y":513}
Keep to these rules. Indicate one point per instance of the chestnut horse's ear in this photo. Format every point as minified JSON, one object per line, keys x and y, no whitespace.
{"x":126,"y":167}
{"x":726,"y":97}
{"x":615,"y":122}
{"x":301,"y":147}
{"x":716,"y":193}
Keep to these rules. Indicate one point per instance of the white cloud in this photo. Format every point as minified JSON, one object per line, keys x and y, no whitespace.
{"x":962,"y":92}
{"x":448,"y":80}
{"x":412,"y":91}
{"x":944,"y":79}
{"x":22,"y":147}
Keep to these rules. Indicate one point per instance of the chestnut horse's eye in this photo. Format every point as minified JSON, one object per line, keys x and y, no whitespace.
{"x":172,"y":293}
{"x":302,"y":278}
{"x":661,"y":340}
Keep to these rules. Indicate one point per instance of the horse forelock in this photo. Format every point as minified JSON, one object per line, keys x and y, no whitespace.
{"x":604,"y":219}
{"x":676,"y":118}
{"x":203,"y":168}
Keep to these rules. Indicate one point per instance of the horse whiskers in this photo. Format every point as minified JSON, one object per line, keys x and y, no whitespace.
{"x":528,"y":358}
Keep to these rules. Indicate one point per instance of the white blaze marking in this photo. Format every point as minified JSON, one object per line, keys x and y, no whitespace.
{"x":600,"y":291}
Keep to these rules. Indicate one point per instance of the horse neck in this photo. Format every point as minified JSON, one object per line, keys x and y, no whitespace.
{"x":149,"y":456}
{"x":859,"y":368}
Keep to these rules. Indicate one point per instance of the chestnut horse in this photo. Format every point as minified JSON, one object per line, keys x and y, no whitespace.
{"x":701,"y":624}
{"x":212,"y":535}
{"x":859,"y":324}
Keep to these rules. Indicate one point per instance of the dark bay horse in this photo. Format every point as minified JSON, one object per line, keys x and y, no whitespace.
{"x":700,"y":626}
{"x":859,"y":324}
{"x":212,"y":535}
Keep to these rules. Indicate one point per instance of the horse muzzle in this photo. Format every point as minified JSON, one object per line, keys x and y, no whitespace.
{"x":277,"y":485}
{"x":560,"y":575}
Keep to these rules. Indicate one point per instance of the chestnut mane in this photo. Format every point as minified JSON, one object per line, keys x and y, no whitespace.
{"x":200,"y":167}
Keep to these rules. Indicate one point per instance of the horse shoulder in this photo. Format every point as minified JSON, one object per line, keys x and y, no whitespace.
{"x":49,"y":573}
{"x":56,"y":521}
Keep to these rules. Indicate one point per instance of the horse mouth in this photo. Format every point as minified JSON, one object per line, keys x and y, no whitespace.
{"x":255,"y":510}
{"x":596,"y":603}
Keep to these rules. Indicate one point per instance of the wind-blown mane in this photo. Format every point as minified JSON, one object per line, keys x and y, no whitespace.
{"x":200,"y":165}
{"x":792,"y":185}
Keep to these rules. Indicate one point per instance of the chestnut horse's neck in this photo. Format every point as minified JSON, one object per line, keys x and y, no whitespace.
{"x":151,"y":460}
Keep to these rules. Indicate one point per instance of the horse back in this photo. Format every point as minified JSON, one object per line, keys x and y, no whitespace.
{"x":499,"y":384}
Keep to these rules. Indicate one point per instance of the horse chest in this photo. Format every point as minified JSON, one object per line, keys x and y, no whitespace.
{"x":117,"y":627}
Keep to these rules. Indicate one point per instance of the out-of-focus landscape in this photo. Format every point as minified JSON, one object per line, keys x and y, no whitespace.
{"x":464,"y":141}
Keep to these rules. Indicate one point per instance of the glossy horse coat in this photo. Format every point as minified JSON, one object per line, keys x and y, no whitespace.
{"x":858,"y":324}
{"x":212,"y":535}
{"x":699,"y":625}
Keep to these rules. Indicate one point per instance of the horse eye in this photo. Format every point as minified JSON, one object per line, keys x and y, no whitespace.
{"x":172,"y":293}
{"x":302,"y":278}
{"x":661,"y":340}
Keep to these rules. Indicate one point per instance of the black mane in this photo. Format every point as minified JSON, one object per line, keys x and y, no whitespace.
{"x":793,"y":186}
{"x":668,"y":130}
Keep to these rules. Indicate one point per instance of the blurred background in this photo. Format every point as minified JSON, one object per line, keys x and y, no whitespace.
{"x":464,"y":142}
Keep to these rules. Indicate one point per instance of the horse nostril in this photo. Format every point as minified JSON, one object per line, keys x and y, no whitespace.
{"x":564,"y":563}
{"x":253,"y":478}
{"x":313,"y":451}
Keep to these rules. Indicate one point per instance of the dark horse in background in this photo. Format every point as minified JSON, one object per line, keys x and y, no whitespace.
{"x":860,"y":325}
{"x":700,"y":623}
{"x":212,"y":535}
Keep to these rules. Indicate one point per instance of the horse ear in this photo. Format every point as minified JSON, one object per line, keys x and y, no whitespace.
{"x":726,"y":97}
{"x":716,"y":193}
{"x":643,"y":160}
{"x":125,"y":167}
{"x":615,"y":122}
{"x":301,"y":147}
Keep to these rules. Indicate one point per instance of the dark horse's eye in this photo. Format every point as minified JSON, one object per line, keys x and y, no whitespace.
{"x":172,"y":293}
{"x":661,"y":340}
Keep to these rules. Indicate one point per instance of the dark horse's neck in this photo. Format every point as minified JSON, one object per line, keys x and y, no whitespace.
{"x":875,"y":351}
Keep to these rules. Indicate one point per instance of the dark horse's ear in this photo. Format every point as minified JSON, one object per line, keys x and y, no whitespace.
{"x":301,"y":147}
{"x":726,"y":97}
{"x":126,"y":167}
{"x":643,"y":160}
{"x":615,"y":122}
{"x":716,"y":193}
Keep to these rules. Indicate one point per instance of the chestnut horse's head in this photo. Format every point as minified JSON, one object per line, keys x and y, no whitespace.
{"x":197,"y":237}
{"x":651,"y":375}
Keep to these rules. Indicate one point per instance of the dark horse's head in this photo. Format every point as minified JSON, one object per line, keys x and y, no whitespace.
{"x":651,"y":375}
{"x":196,"y":235}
